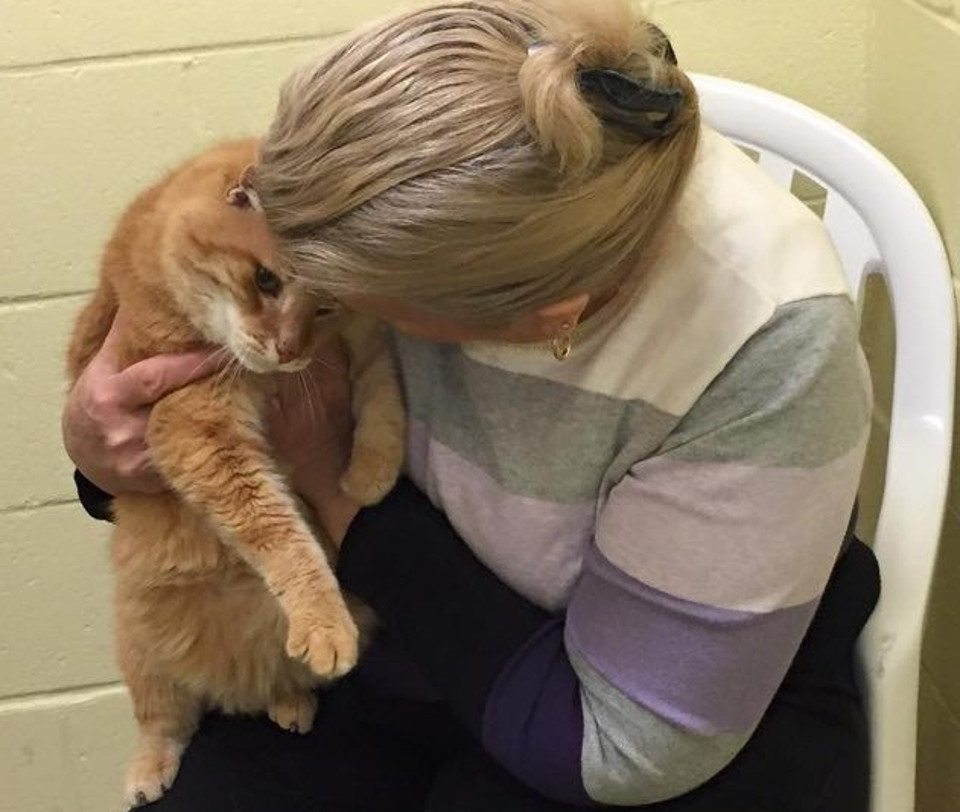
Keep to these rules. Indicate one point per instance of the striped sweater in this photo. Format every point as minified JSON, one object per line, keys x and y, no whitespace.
{"x":606,"y":565}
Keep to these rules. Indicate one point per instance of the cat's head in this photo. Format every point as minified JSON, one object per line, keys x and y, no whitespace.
{"x":223,"y":271}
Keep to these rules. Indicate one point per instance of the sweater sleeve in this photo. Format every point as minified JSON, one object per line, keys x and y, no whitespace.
{"x":710,"y":558}
{"x":707,"y":566}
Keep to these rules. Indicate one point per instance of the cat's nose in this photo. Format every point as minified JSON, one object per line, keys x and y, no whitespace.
{"x":287,"y":350}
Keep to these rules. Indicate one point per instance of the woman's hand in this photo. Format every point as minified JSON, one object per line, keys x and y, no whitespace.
{"x":311,"y":424}
{"x":105,"y":418}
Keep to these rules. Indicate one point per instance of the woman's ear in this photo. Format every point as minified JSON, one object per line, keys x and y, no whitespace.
{"x":563,"y":316}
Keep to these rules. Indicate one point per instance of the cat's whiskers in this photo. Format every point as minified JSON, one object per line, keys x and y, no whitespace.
{"x":230,"y":373}
{"x":304,"y":384}
{"x":326,"y":364}
{"x":224,"y":373}
{"x":312,"y":382}
{"x":214,"y":357}
{"x":238,"y":371}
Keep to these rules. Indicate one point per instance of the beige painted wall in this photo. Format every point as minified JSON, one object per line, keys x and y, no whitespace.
{"x":913,"y":94}
{"x":95,"y":99}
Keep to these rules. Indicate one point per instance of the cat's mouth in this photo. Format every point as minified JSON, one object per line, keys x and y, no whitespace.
{"x":255,"y":364}
{"x":264,"y":361}
{"x":264,"y":366}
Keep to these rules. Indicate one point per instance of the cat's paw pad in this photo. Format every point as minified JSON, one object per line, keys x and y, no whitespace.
{"x":326,"y":640}
{"x":370,"y":477}
{"x":294,"y":713}
{"x":152,"y":771}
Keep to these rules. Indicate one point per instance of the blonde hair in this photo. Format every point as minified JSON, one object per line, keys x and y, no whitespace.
{"x":449,"y":157}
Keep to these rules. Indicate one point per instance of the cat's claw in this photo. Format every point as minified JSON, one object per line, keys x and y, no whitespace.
{"x":294,"y":713}
{"x":152,"y":772}
{"x":327,"y":641}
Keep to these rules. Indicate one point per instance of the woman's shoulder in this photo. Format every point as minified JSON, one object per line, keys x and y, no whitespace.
{"x":740,"y":257}
{"x":797,"y":390}
{"x":733,"y":219}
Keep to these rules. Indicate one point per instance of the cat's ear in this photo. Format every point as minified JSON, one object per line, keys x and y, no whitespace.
{"x":243,"y":195}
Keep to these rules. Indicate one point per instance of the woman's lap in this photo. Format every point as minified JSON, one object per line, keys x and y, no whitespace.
{"x":364,"y":753}
{"x":369,"y":753}
{"x":248,"y":765}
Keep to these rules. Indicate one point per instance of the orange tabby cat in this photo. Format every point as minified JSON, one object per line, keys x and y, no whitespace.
{"x":224,"y":596}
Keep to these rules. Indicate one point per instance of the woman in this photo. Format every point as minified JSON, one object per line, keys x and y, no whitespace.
{"x":618,"y":573}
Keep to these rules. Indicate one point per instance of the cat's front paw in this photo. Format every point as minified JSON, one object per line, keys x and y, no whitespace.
{"x":152,"y":771}
{"x":294,"y":713}
{"x":371,"y":475}
{"x":324,"y":637}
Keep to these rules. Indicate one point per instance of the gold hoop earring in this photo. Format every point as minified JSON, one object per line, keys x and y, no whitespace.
{"x":562,"y":342}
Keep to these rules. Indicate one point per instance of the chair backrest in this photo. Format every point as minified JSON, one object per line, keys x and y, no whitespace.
{"x":879,"y":226}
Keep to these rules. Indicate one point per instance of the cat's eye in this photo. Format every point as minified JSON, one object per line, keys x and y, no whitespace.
{"x":326,"y":311}
{"x":267,"y":282}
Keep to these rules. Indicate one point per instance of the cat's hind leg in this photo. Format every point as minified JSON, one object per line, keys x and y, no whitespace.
{"x":167,"y":715}
{"x":380,"y":432}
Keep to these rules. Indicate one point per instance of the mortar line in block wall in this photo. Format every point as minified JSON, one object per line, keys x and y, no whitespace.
{"x":29,"y":507}
{"x":60,"y":698}
{"x":207,"y":49}
{"x":20,"y":299}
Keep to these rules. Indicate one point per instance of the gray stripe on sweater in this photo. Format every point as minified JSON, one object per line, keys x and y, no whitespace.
{"x":631,"y":756}
{"x":545,"y":440}
{"x":534,"y":437}
{"x":797,"y":394}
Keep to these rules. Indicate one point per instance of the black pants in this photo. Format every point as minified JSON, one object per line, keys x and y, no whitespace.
{"x":370,"y":753}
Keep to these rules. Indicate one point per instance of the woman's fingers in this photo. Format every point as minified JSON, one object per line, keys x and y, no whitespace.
{"x":144,"y":383}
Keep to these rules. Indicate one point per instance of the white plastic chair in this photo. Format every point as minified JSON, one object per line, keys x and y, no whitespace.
{"x":879,"y":225}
